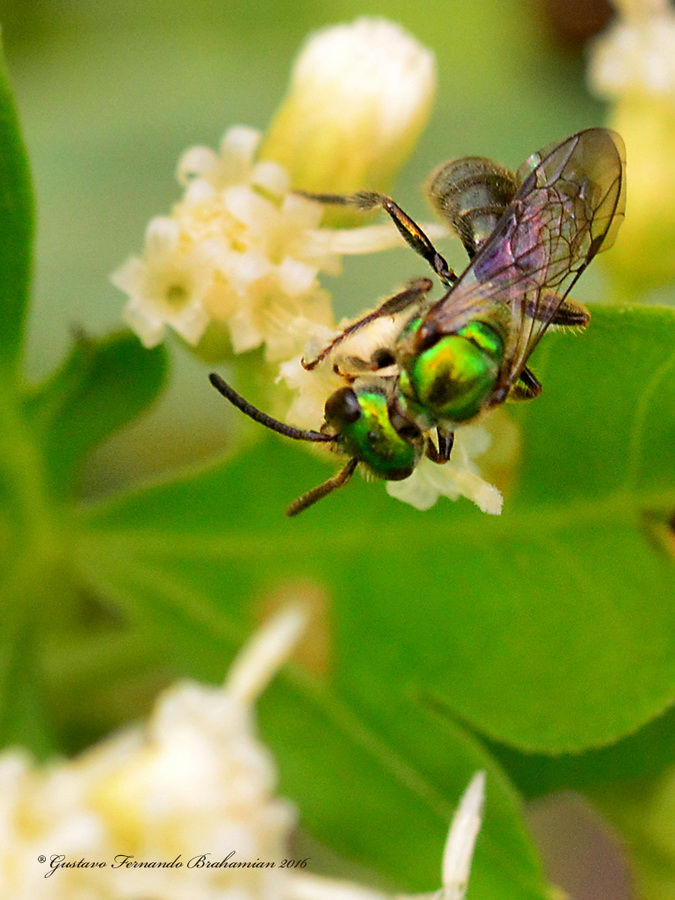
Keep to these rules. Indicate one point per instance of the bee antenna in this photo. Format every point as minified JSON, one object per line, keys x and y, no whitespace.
{"x":258,"y":415}
{"x":322,"y":490}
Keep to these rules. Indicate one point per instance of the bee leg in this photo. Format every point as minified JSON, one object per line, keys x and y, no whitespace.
{"x":565,"y":311}
{"x":410,"y":231}
{"x":441,"y":454}
{"x":322,"y":490}
{"x":413,"y":294}
{"x":527,"y":387}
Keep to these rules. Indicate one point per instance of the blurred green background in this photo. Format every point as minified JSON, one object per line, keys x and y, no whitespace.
{"x":110,"y":94}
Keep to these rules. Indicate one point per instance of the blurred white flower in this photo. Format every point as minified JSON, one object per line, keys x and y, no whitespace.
{"x":632,"y":65}
{"x":455,"y":867}
{"x":636,"y":54}
{"x":458,"y":852}
{"x":195,"y":780}
{"x":144,"y":813}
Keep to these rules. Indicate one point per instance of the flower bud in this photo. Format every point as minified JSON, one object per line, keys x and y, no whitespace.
{"x":360,"y":95}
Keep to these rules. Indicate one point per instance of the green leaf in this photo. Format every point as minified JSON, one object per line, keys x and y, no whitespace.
{"x":16,"y":230}
{"x":603,"y":428}
{"x":100,"y":387}
{"x":644,"y":754}
{"x":524,"y":626}
{"x":364,"y":779}
{"x":382,"y":787}
{"x":44,"y":440}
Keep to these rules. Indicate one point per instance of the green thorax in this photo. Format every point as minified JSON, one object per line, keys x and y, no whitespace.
{"x":451,"y":380}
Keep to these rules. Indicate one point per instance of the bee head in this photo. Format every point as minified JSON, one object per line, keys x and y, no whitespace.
{"x":369,"y":428}
{"x":358,"y":423}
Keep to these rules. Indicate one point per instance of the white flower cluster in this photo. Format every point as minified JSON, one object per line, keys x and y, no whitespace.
{"x":239,"y":249}
{"x":195,"y":781}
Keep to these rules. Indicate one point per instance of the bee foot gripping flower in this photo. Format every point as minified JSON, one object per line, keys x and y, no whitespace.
{"x":458,"y":477}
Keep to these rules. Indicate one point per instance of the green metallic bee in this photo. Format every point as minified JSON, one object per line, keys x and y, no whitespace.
{"x":529,"y":237}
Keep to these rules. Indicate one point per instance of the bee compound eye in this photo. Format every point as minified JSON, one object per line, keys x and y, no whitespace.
{"x":342,"y":407}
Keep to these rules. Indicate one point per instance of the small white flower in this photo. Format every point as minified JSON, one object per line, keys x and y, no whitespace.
{"x":168,"y":286}
{"x":231,"y":165}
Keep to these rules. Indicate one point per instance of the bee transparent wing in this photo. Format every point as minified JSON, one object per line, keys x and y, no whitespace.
{"x":573,"y":203}
{"x":568,"y":207}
